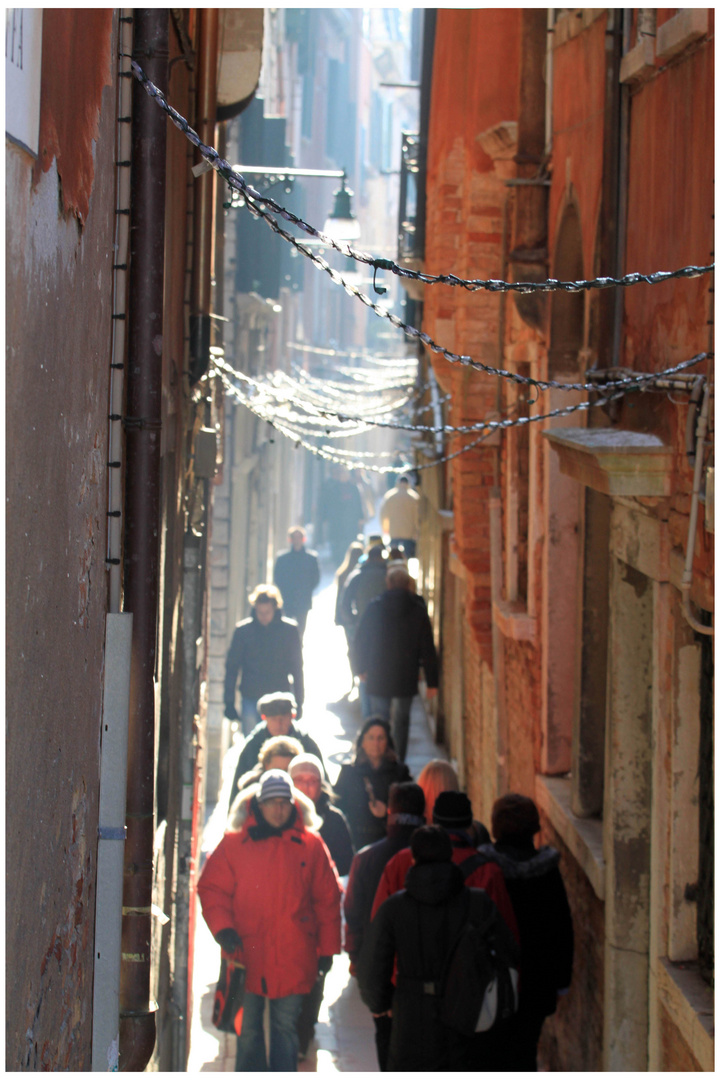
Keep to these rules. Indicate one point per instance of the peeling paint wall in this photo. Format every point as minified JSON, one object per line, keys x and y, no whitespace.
{"x":479,"y":62}
{"x":59,"y":233}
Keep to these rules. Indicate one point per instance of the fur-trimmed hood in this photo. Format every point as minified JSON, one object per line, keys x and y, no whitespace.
{"x":522,"y":864}
{"x":240,"y":809}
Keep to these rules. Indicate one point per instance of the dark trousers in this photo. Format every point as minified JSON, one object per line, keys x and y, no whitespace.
{"x":383,"y":1030}
{"x":309,"y":1013}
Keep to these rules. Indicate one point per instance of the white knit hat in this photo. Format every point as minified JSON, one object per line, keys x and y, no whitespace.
{"x":305,"y":763}
{"x":275,"y":784}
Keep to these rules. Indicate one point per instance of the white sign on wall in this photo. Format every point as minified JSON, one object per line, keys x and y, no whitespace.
{"x":23,"y":53}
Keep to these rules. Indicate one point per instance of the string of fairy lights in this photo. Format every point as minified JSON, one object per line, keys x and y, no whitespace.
{"x":314,"y":410}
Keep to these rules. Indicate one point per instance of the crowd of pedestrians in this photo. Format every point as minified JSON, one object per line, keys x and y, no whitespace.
{"x":460,"y":942}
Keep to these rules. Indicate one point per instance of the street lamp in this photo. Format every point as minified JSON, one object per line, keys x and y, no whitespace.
{"x":341,"y":224}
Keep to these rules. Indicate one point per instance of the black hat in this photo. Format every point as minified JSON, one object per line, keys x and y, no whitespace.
{"x":276,"y":704}
{"x":430,"y":844}
{"x":452,"y":810}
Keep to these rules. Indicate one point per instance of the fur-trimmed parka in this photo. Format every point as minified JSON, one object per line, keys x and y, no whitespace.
{"x":279,"y":890}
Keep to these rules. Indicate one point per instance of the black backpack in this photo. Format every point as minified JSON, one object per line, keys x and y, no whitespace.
{"x":480,"y":982}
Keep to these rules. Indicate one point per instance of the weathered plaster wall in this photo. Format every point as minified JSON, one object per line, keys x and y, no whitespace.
{"x":58,"y":296}
{"x":572,"y":1038}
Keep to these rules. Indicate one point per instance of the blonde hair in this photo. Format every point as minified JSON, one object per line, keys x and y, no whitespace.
{"x":435,"y":777}
{"x":279,"y":746}
{"x":266,"y":594}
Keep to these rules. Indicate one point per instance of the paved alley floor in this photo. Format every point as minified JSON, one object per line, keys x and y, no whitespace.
{"x":344,"y":1037}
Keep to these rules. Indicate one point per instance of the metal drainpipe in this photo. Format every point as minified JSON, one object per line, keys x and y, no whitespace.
{"x":120,"y":276}
{"x":549,"y":81}
{"x":142,"y":518}
{"x":204,"y":196}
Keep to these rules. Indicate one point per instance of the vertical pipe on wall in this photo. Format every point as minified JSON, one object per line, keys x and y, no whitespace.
{"x":204,"y":196}
{"x":142,"y":517}
{"x":120,"y":275}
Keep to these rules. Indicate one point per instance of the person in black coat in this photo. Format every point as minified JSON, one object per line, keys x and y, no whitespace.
{"x":277,"y":718}
{"x":405,"y":814}
{"x":306,"y":773}
{"x":416,"y":929}
{"x":363,"y":786}
{"x":297,"y":575}
{"x":266,"y":649}
{"x":543,"y":916}
{"x":393,"y":639}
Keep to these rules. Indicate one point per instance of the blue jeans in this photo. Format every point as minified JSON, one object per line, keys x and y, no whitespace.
{"x":249,"y":716}
{"x":284,"y":1041}
{"x":397,"y":712}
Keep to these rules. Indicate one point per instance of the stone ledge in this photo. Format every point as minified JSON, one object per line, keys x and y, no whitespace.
{"x":639,"y":63}
{"x":584,"y":836}
{"x":677,"y":33}
{"x":689,"y":1001}
{"x":514,"y":622}
{"x":613,"y":461}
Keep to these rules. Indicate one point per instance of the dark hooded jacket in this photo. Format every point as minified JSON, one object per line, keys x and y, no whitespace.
{"x":363,"y":584}
{"x":417,"y":927}
{"x":268,"y":657}
{"x":365,"y":873}
{"x":393,"y":639}
{"x":538,"y":896}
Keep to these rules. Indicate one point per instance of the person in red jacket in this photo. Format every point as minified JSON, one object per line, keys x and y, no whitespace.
{"x":270,"y":895}
{"x":453,"y":813}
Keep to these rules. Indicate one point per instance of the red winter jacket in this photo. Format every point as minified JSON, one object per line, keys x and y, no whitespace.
{"x":484,"y":877}
{"x":282,"y":896}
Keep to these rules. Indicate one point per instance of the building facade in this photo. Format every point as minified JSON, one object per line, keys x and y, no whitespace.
{"x":558,"y":548}
{"x":111,"y":432}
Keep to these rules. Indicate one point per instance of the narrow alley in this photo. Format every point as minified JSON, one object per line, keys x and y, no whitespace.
{"x":443,"y":277}
{"x":344,"y":1037}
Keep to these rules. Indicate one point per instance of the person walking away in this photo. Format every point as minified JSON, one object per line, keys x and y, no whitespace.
{"x":363,"y":785}
{"x":406,"y":805}
{"x":367,"y":581}
{"x":277,"y":717}
{"x":266,"y":650}
{"x":416,"y":929}
{"x":393,"y":639}
{"x":540,"y":902}
{"x":271,"y":896}
{"x":400,"y":516}
{"x":453,"y":813}
{"x":437,"y":776}
{"x":340,"y":512}
{"x":276,"y":753}
{"x":306,"y":774}
{"x":342,"y":573}
{"x":396,"y":557}
{"x":297,"y":575}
